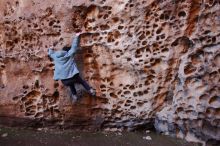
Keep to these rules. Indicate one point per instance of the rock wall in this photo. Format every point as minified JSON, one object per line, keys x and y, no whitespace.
{"x":150,"y":61}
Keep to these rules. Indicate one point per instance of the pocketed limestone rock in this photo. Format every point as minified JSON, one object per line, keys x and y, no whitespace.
{"x":151,"y":63}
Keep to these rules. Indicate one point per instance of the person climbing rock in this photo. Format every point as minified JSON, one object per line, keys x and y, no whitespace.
{"x":66,"y":69}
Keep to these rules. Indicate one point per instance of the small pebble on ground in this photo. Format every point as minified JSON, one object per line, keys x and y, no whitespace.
{"x":4,"y":134}
{"x":147,"y":138}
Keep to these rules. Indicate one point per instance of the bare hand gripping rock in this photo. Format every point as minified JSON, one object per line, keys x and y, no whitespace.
{"x":66,"y":69}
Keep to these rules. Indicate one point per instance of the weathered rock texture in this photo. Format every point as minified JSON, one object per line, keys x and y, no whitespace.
{"x":151,"y":61}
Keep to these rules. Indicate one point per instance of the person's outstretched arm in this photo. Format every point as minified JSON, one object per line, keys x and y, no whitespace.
{"x":51,"y":53}
{"x":75,"y":45}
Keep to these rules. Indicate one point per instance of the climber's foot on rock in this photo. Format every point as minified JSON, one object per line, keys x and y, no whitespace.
{"x":74,"y":98}
{"x":92,"y":92}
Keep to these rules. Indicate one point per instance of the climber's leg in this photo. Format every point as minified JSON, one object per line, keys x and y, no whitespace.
{"x":70,"y":83}
{"x":81,"y":81}
{"x":85,"y":84}
{"x":73,"y":89}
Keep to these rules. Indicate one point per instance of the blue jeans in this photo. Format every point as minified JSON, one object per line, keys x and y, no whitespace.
{"x":75,"y":79}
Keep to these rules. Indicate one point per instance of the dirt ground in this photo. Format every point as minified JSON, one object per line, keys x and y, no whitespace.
{"x":45,"y":137}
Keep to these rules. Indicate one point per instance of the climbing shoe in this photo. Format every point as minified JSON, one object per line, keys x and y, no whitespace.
{"x":74,"y":98}
{"x":92,"y":92}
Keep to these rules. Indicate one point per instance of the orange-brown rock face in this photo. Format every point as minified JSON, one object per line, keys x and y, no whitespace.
{"x":150,"y":61}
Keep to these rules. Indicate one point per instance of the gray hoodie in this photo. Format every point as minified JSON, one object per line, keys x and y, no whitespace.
{"x":65,"y":66}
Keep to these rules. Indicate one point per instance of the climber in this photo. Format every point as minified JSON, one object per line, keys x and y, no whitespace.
{"x":66,"y":69}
